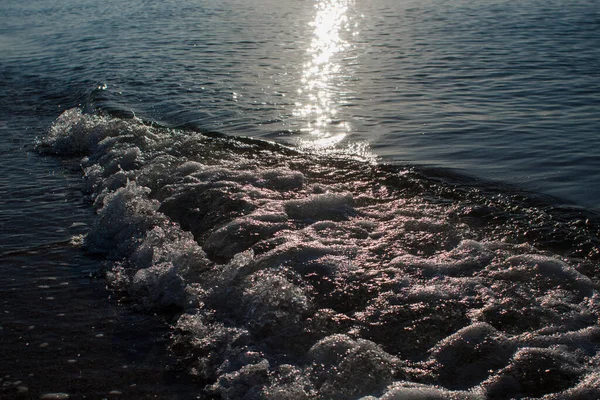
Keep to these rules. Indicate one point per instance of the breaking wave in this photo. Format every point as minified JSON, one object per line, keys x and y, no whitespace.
{"x":293,"y":276}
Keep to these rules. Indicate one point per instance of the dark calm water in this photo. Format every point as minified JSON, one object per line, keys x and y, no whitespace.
{"x":435,"y":195}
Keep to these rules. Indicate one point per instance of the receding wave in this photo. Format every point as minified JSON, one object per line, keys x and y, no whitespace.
{"x":293,"y":276}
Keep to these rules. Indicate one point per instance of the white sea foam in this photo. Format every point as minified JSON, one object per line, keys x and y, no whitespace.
{"x":302,"y":278}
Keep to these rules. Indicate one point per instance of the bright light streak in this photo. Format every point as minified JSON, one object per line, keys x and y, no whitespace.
{"x":321,"y":73}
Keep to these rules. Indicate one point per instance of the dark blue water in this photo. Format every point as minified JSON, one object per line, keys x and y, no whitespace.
{"x":494,"y":89}
{"x":435,"y":153}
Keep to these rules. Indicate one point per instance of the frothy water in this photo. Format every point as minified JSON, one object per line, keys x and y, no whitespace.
{"x":299,"y":276}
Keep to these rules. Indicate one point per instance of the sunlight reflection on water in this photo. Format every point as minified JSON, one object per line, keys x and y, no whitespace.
{"x":323,"y":78}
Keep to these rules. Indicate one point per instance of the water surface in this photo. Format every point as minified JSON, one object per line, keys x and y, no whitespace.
{"x":419,"y":198}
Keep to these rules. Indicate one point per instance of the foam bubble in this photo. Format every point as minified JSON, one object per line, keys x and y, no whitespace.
{"x":412,"y":391}
{"x":127,"y":215}
{"x":159,"y":285}
{"x":466,"y":357}
{"x":247,"y":382}
{"x":534,"y":372}
{"x":347,"y":368}
{"x":239,"y":235}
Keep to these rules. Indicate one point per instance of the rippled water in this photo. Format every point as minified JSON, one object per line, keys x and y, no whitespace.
{"x":370,"y":255}
{"x":495,"y":89}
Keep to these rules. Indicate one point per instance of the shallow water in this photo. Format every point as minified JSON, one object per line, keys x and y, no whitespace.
{"x":61,"y":331}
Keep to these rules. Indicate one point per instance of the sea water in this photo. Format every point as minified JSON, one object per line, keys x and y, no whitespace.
{"x":328,"y":199}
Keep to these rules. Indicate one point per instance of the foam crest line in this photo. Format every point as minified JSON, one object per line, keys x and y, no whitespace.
{"x":299,"y":277}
